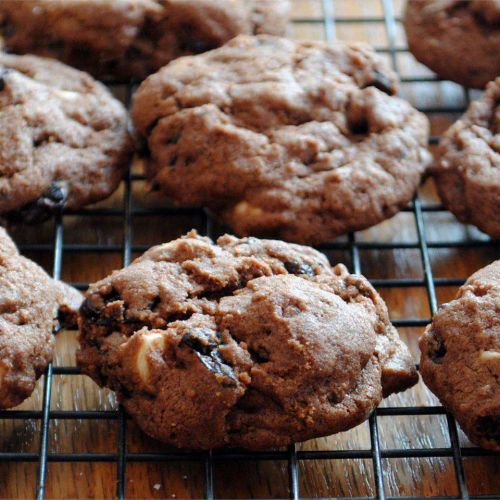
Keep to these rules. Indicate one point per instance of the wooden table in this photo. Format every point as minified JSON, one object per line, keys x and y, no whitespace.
{"x":102,"y":234}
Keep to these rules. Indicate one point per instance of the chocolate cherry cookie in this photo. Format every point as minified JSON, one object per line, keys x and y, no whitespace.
{"x":63,"y":138}
{"x":297,"y":140}
{"x":31,"y":305}
{"x":467,"y":168}
{"x":459,"y":40}
{"x":461,"y":356}
{"x":242,"y":343}
{"x":132,"y":38}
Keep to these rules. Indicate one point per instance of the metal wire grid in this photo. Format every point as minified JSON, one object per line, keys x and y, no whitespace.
{"x":121,"y":457}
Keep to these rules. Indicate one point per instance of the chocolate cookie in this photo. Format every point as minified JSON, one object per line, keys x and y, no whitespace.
{"x":251,"y":343}
{"x":31,"y":304}
{"x":297,"y":140}
{"x":467,"y":168}
{"x":63,"y":138}
{"x":132,"y":38}
{"x":459,"y":40}
{"x":461,"y":356}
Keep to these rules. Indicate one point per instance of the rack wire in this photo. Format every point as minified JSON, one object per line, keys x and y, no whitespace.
{"x":122,"y":457}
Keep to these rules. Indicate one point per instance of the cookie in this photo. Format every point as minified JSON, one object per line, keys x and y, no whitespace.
{"x":460,"y":41}
{"x":64,"y":140}
{"x":296,"y":140}
{"x":467,"y":167}
{"x":132,"y":38}
{"x":461,"y":357}
{"x":243,"y":342}
{"x":31,"y":305}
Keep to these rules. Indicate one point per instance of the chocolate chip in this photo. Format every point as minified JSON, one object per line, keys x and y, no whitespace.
{"x":173,"y":139}
{"x":154,"y":303}
{"x":195,"y":46}
{"x":89,"y":310}
{"x":216,"y":365}
{"x":360,"y":127}
{"x":438,"y":348}
{"x":66,"y":317}
{"x":334,"y":398}
{"x":299,"y":268}
{"x":3,"y":73}
{"x":179,"y":317}
{"x":51,"y":202}
{"x":489,"y":427}
{"x":95,"y":315}
{"x":259,"y":356}
{"x":200,"y":340}
{"x":112,"y":296}
{"x":381,"y":82}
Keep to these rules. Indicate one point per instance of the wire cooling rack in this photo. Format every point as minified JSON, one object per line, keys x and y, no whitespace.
{"x":329,"y":23}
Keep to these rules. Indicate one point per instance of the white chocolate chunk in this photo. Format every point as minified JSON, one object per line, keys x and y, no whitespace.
{"x":490,"y":356}
{"x":244,"y":208}
{"x":150,"y":342}
{"x":66,"y":94}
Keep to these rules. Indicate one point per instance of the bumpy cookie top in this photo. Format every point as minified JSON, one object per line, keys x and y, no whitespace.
{"x":485,"y":11}
{"x":468,"y":166}
{"x":30,"y":304}
{"x":249,"y":342}
{"x":133,"y":38}
{"x":63,"y":137}
{"x":457,"y":39}
{"x":292,"y":139}
{"x":461,"y":356}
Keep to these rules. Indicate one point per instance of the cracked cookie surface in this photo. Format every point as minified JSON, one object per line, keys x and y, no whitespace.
{"x":459,"y":40}
{"x":467,"y":168}
{"x":296,"y":140}
{"x":31,"y":305}
{"x":243,"y":342}
{"x":63,"y":138}
{"x":461,"y":356}
{"x":132,"y":38}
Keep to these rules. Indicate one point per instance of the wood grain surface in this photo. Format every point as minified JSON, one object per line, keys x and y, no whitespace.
{"x":264,"y":478}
